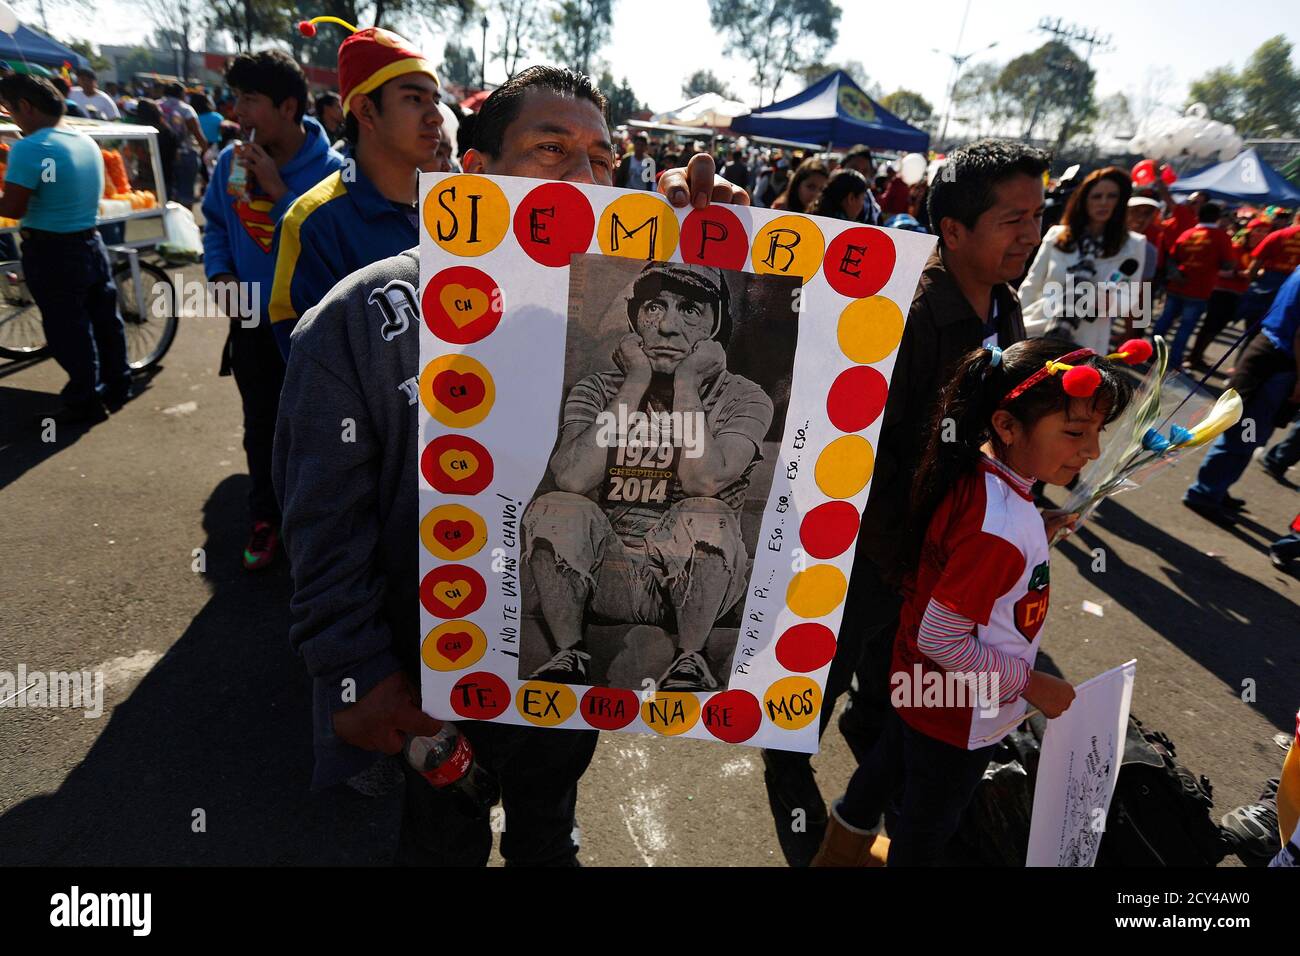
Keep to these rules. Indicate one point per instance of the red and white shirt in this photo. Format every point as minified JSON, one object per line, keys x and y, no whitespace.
{"x":976,"y":606}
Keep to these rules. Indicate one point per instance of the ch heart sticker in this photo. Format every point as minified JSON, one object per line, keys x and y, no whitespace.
{"x":452,"y":590}
{"x":457,"y":390}
{"x":453,"y":646}
{"x":456,"y":465}
{"x":462,"y":305}
{"x":452,"y":532}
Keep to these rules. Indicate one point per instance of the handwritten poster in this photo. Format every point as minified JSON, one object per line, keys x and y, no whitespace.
{"x":646,"y":437}
{"x":1082,"y":751}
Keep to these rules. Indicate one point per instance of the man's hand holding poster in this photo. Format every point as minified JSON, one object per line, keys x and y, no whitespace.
{"x":646,"y":436}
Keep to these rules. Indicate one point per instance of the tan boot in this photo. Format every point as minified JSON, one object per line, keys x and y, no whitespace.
{"x":845,"y":846}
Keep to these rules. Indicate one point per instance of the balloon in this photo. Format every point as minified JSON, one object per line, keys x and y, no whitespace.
{"x":1199,"y":110}
{"x":912,"y":168}
{"x":1144,"y":173}
{"x":8,"y":19}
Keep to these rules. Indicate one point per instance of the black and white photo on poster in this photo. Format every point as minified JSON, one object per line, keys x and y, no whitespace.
{"x":639,"y":541}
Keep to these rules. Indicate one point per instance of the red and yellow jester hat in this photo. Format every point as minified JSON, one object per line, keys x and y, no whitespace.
{"x":369,"y":58}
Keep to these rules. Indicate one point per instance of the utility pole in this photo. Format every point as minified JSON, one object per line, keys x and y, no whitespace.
{"x":958,"y":61}
{"x":1069,"y":34}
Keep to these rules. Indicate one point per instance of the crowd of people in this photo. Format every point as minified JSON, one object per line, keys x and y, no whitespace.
{"x":951,"y":538}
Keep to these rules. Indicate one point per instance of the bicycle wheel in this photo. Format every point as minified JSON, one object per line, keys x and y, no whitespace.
{"x":21,"y":333}
{"x":148,"y":313}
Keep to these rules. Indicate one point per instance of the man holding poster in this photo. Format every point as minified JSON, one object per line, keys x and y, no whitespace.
{"x":345,"y":468}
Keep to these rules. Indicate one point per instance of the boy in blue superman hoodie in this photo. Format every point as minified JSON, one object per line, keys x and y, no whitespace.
{"x":290,"y":154}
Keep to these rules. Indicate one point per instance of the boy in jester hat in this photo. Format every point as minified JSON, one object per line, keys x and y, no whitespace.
{"x":365,"y":211}
{"x":351,"y":508}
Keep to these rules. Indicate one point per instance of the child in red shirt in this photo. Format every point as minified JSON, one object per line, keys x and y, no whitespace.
{"x":976,"y":599}
{"x":1199,"y":253}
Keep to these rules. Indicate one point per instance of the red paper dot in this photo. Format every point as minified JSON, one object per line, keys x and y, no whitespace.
{"x":461,"y":305}
{"x":456,"y":465}
{"x":553,"y":222}
{"x":805,"y":647}
{"x":733,"y":715}
{"x":452,"y":590}
{"x":714,"y":236}
{"x":856,"y":399}
{"x":859,"y":261}
{"x":480,"y":696}
{"x":608,"y":708}
{"x":829,"y":530}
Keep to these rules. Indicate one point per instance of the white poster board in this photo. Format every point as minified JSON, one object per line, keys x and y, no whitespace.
{"x":529,"y":291}
{"x":1080,"y":761}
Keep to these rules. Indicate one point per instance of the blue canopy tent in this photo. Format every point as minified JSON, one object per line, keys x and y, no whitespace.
{"x":1244,"y":178}
{"x":32,"y":47}
{"x":836,"y":112}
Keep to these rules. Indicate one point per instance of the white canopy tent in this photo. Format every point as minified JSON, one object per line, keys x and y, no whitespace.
{"x":707,"y":109}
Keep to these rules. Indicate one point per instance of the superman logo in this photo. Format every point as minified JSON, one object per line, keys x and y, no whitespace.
{"x":255,"y":215}
{"x":1031,"y":610}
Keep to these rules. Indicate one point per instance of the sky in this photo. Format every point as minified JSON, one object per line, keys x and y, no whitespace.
{"x":657,"y":46}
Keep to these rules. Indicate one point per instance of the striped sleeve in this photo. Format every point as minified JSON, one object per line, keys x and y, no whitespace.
{"x":302,"y":268}
{"x":948,"y":639}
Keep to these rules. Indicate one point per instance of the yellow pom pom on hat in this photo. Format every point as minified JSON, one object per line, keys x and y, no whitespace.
{"x":371,"y":57}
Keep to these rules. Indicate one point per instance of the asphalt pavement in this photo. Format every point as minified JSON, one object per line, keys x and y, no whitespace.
{"x":120,"y":552}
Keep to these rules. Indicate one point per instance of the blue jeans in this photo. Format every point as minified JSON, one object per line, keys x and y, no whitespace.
{"x":1286,"y":452}
{"x":1270,"y":374}
{"x":1190,"y":312}
{"x":938,"y":781}
{"x":538,"y":771}
{"x":70,"y":280}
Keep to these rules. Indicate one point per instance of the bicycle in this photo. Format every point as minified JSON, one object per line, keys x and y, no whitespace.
{"x":146,"y":299}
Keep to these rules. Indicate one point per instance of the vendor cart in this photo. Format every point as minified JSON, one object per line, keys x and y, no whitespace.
{"x":131,"y":222}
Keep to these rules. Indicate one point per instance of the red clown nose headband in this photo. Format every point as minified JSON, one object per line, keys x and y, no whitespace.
{"x":1080,"y":381}
{"x":369,"y":58}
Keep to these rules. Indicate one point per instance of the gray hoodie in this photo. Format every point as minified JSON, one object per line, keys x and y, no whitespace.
{"x":345,"y":465}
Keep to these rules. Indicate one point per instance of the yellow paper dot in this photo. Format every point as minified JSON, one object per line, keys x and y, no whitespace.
{"x":870,"y":329}
{"x":792,"y":702}
{"x":788,"y":246}
{"x":844,"y":466}
{"x":457,"y":390}
{"x":671,"y":712}
{"x":453,"y":646}
{"x":467,"y":215}
{"x":453,"y":532}
{"x":638,"y":226}
{"x":816,"y":591}
{"x":545,"y":704}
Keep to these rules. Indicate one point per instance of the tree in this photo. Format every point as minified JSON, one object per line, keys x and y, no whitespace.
{"x":1264,"y":98}
{"x":43,"y":7}
{"x":1051,"y":86}
{"x":579,"y":29}
{"x":460,"y":65}
{"x":246,"y":21}
{"x":703,"y":81}
{"x":909,"y":106}
{"x":622,"y":100}
{"x":777,"y":37}
{"x":1115,"y":118}
{"x":97,"y":60}
{"x":1270,"y":91}
{"x":979,"y":101}
{"x":854,"y":68}
{"x":179,"y":27}
{"x":521,"y":25}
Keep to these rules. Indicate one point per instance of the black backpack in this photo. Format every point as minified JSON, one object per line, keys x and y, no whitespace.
{"x":1160,"y":814}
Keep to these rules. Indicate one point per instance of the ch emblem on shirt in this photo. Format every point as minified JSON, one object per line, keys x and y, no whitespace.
{"x":396,"y":302}
{"x":1031,"y":610}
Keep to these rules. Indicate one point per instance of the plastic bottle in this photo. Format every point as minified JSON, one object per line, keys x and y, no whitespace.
{"x":237,"y":181}
{"x":447,"y":761}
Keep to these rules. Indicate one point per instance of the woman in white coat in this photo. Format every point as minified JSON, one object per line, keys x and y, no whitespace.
{"x":1088,"y":269}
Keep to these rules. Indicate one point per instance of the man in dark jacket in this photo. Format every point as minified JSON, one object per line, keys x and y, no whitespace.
{"x":986,"y":203}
